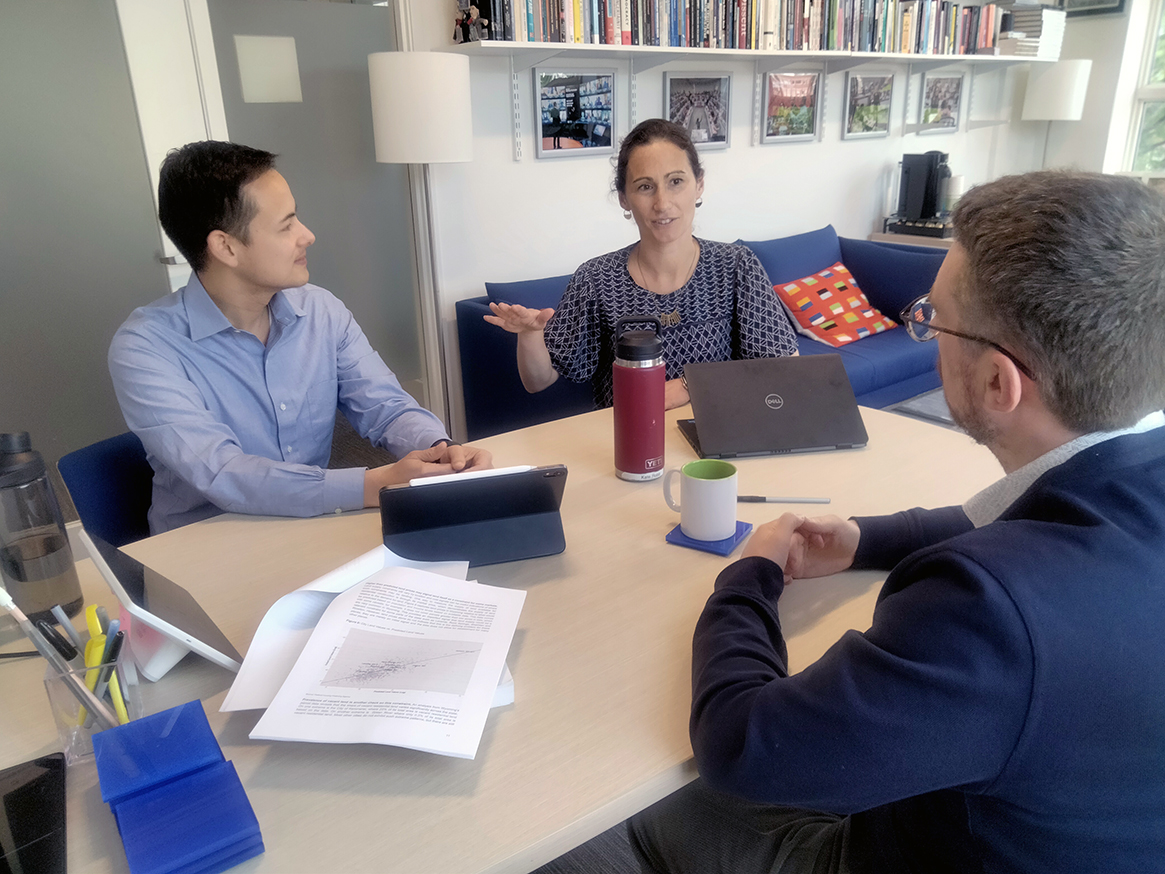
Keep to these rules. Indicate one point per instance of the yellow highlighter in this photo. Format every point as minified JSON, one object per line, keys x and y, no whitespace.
{"x":118,"y":700}
{"x":94,"y":652}
{"x":93,"y":622}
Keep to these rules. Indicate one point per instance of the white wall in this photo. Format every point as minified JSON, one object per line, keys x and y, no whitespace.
{"x":1114,"y":43}
{"x":501,"y":220}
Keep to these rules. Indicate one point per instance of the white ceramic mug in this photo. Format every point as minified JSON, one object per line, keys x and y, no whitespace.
{"x":708,"y":498}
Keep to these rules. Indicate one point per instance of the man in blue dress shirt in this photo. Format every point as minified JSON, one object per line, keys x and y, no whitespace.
{"x":233,"y":382}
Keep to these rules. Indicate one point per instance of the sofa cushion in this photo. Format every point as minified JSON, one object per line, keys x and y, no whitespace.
{"x":828,"y":306}
{"x":891,"y":275}
{"x":791,"y":258}
{"x":537,"y":294}
{"x":495,"y":400}
{"x":880,"y":360}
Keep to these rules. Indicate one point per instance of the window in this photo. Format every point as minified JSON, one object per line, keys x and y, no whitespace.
{"x":1149,"y":114}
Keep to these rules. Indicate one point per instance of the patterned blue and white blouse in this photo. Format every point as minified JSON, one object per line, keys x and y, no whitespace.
{"x":726,"y":310}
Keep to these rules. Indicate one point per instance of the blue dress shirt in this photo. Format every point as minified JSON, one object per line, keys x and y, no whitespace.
{"x":231,"y":425}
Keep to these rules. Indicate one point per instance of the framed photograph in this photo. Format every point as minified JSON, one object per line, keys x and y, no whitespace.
{"x":575,"y":112}
{"x":867,"y":105}
{"x":942,"y":99}
{"x":791,"y":105}
{"x":1092,"y":7}
{"x":699,"y":102}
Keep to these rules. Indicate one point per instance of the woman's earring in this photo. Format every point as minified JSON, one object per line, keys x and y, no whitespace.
{"x":699,"y":203}
{"x":627,"y":214}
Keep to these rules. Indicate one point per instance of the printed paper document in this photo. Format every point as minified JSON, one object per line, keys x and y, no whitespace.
{"x":406,"y":657}
{"x":285,"y":629}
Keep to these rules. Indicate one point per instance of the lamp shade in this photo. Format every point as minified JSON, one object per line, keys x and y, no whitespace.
{"x":1055,"y":92}
{"x":421,"y":111}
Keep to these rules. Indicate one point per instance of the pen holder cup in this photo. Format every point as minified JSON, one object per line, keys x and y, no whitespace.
{"x":75,"y":725}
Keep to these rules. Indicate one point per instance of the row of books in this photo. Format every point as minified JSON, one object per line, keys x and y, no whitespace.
{"x":907,"y":26}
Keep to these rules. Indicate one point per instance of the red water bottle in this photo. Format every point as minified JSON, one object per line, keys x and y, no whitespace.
{"x":638,"y":378}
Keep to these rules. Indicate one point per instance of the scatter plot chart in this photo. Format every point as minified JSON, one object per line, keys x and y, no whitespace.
{"x":371,"y":660}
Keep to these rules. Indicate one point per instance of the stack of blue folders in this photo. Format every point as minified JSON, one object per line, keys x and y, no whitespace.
{"x":179,"y":804}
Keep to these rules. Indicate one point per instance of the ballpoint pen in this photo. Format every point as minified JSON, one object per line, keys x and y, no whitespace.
{"x":63,"y":620}
{"x":94,"y":651}
{"x":72,"y":682}
{"x":118,"y":699}
{"x":763,"y":499}
{"x":108,"y":672}
{"x":114,"y":625}
{"x":65,"y":648}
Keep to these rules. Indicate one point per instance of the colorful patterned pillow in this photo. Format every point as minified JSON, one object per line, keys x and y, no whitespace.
{"x":829,"y":307}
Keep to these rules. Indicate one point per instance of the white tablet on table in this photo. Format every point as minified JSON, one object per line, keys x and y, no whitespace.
{"x":166,"y":620}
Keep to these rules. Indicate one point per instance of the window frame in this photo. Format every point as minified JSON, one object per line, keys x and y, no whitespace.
{"x":1145,"y":92}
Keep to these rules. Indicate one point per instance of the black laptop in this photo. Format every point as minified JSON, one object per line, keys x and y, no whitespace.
{"x":771,"y":406}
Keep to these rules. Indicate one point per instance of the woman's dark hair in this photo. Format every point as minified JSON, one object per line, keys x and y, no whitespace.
{"x":647,"y":132}
{"x":201,"y":190}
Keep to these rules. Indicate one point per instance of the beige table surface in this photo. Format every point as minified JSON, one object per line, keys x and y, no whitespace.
{"x":601,"y":660}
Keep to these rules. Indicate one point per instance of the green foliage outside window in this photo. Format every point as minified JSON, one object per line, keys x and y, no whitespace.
{"x":1150,"y":154}
{"x":1151,"y":143}
{"x":1157,"y":73}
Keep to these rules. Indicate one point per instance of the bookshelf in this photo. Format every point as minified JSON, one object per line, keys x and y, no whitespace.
{"x":523,"y":56}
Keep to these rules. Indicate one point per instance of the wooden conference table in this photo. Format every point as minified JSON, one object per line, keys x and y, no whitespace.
{"x":601,"y":660}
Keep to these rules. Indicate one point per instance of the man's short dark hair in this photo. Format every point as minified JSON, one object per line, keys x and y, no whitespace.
{"x":1067,"y":270}
{"x":201,"y":190}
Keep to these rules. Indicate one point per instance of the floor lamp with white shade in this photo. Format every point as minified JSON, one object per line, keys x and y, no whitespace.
{"x":422,"y":115}
{"x":1056,"y":92}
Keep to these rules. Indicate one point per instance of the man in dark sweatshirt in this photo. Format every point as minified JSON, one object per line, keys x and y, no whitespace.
{"x":1005,"y":711}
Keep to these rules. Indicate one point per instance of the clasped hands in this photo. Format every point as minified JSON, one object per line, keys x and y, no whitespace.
{"x":806,"y":547}
{"x":433,"y":461}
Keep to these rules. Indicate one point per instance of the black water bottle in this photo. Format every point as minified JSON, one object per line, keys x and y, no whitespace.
{"x":36,"y":564}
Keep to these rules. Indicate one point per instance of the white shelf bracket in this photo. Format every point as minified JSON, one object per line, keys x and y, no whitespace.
{"x":632,"y":95}
{"x":641,"y":63}
{"x":840,"y":65}
{"x":975,"y":97}
{"x":516,"y":110}
{"x":937,"y":63}
{"x":822,"y":105}
{"x":526,"y":60}
{"x":758,"y":87}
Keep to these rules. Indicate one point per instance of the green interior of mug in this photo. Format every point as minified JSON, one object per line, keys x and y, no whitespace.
{"x":709,"y":468}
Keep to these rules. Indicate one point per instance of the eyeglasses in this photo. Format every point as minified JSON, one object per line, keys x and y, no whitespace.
{"x":916,"y":319}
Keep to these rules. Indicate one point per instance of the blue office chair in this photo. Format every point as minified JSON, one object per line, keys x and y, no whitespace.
{"x":111,"y":484}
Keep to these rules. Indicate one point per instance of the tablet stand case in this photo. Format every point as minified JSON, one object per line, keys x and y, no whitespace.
{"x":180,"y":806}
{"x":482,"y":521}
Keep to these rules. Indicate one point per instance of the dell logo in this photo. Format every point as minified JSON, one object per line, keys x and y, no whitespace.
{"x":774,"y":402}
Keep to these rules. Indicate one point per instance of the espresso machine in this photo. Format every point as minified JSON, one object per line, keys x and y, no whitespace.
{"x":922,"y":194}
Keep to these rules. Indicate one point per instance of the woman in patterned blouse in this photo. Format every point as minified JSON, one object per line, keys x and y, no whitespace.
{"x":714,"y":300}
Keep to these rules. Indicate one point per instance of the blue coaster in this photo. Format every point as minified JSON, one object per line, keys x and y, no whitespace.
{"x":719,"y":547}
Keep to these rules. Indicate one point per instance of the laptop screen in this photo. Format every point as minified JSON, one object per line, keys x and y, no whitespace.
{"x":765,"y":406}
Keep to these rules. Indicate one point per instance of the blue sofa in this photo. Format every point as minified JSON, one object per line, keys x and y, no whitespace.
{"x":883,"y":369}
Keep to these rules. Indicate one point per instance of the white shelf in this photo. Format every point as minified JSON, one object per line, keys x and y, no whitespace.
{"x":524,"y":56}
{"x":529,"y":54}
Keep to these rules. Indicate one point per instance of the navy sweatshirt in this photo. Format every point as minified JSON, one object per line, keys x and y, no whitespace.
{"x":1005,"y":711}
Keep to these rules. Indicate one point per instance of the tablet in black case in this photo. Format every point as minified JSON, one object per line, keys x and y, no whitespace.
{"x":482,"y":520}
